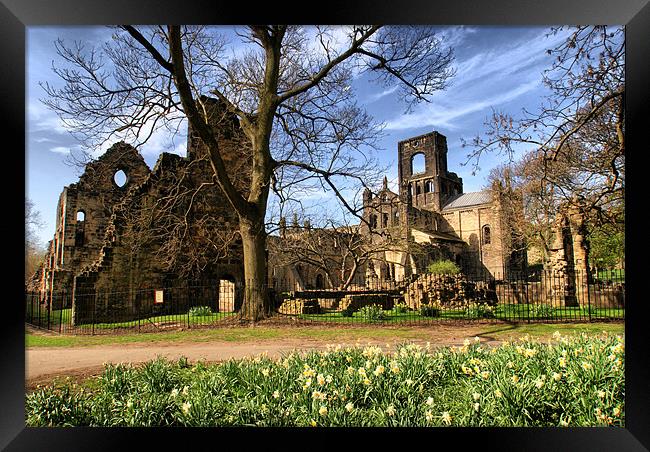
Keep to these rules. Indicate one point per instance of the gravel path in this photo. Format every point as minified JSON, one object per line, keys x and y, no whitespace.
{"x":45,"y":364}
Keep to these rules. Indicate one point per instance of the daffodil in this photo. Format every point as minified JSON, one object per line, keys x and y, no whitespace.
{"x":390,"y":410}
{"x":429,"y":401}
{"x":446,"y":418}
{"x":186,"y":407}
{"x":349,"y":407}
{"x":322,"y":410}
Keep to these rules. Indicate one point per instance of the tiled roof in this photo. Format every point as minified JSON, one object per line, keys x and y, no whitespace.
{"x":469,"y":199}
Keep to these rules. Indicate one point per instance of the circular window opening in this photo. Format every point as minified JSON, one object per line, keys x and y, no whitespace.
{"x":120,"y":178}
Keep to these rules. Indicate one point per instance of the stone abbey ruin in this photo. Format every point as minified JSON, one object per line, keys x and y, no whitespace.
{"x":121,"y":243}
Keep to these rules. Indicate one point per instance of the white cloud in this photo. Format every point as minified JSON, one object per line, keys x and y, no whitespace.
{"x":479,"y":77}
{"x":60,"y":150}
{"x":375,"y":97}
{"x":438,"y":116}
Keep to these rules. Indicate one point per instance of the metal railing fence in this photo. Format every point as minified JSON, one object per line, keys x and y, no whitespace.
{"x":524,"y":297}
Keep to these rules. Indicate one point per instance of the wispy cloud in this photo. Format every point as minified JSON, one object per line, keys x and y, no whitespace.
{"x":479,"y":76}
{"x":60,"y":150}
{"x":442,"y":117}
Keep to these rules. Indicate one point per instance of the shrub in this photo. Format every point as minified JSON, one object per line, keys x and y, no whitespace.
{"x":542,"y":311}
{"x":480,"y":311}
{"x":372,"y":313}
{"x":347,"y":312}
{"x":198,"y":311}
{"x":427,"y":310}
{"x":400,"y":308}
{"x":443,"y":267}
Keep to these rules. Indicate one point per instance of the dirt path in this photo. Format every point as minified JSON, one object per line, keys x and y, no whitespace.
{"x":43,"y":365}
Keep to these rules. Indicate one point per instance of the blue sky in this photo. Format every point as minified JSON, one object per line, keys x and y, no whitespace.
{"x":497,"y":67}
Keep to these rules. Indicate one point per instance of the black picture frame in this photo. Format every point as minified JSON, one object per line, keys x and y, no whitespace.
{"x":16,"y":15}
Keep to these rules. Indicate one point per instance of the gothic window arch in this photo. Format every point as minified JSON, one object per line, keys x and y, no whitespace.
{"x":80,"y":235}
{"x":418,"y":164}
{"x":486,"y":235}
{"x":373,"y":221}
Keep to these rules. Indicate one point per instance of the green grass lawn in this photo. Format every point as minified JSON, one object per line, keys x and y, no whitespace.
{"x":330,"y":333}
{"x":506,"y":312}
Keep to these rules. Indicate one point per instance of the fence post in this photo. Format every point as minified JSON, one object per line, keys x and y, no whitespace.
{"x":92,"y":324}
{"x":588,"y":297}
{"x":49,"y":313}
{"x":187,"y":303}
{"x":63,"y":302}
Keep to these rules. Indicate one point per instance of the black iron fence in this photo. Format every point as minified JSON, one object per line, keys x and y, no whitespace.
{"x":525,"y":297}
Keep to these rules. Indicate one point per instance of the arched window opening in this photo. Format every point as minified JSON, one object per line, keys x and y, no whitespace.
{"x":418,"y":164}
{"x":373,"y":221}
{"x":384,"y":220}
{"x":79,"y":235}
{"x":120,"y":178}
{"x":418,"y":189}
{"x":428,"y":187}
{"x":486,"y":234}
{"x":319,"y":282}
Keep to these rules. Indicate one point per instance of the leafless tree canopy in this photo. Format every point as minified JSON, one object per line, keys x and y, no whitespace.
{"x":576,"y":138}
{"x":290,"y":88}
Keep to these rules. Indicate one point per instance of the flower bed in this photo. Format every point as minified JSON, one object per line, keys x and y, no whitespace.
{"x":571,"y":381}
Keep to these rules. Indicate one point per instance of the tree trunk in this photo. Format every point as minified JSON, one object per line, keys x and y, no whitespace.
{"x":256,"y":305}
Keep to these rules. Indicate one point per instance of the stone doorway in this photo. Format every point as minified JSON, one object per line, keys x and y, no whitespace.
{"x":226,"y":295}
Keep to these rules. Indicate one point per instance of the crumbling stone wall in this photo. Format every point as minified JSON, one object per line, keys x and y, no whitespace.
{"x":171,"y":224}
{"x":568,"y":262}
{"x":83,"y":217}
{"x":448,"y":291}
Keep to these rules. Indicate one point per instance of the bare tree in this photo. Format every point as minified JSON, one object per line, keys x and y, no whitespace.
{"x":34,"y":252}
{"x":290,"y":90}
{"x":336,"y":247}
{"x":585,"y":110}
{"x":576,"y":137}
